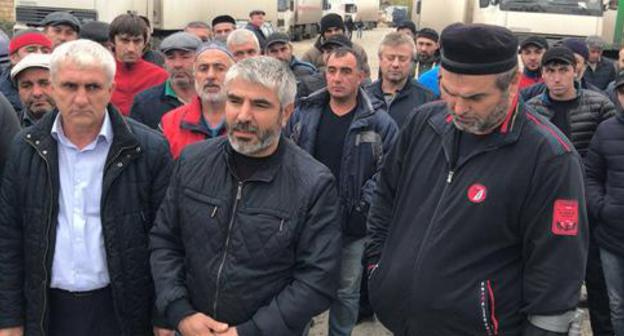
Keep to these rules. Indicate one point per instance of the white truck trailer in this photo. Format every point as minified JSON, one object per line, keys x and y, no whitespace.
{"x":299,"y":18}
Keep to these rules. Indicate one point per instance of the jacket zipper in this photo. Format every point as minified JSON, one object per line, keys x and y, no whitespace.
{"x":47,"y":238}
{"x":239,"y":192}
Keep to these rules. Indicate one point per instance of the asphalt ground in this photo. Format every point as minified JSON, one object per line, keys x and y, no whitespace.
{"x":370,"y":42}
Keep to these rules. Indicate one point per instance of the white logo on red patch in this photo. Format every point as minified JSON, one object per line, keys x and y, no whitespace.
{"x":565,"y":217}
{"x":477,"y":193}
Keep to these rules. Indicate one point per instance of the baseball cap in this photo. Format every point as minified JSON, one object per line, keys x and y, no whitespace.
{"x":561,"y":54}
{"x":338,"y":40}
{"x":31,"y":61}
{"x":276,"y":38}
{"x":537,"y":41}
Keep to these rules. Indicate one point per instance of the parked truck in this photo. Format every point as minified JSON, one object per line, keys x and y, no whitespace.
{"x":299,"y":18}
{"x":553,"y":19}
{"x":166,"y":16}
{"x":365,"y":11}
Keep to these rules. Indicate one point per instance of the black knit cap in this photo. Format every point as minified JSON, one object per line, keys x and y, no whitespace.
{"x":428,"y":33}
{"x":223,"y":19}
{"x":331,"y":20}
{"x":478,"y":49}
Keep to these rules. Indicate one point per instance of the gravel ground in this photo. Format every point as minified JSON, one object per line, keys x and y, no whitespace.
{"x":370,"y":42}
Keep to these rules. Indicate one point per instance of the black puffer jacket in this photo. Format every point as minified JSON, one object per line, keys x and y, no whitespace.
{"x":261,"y":254}
{"x":604,"y":165}
{"x":135,"y":179}
{"x":592,"y":109}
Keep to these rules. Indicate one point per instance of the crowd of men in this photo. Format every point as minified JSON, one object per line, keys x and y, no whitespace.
{"x":220,"y":185}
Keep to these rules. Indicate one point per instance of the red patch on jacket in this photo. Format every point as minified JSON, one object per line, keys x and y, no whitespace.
{"x":477,"y":193}
{"x":565,"y":218}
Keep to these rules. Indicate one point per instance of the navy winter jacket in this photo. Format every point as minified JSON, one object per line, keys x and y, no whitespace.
{"x":371,"y":135}
{"x":604,"y":165}
{"x":411,"y":96}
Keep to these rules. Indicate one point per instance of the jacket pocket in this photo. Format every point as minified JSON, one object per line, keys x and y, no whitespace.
{"x":267,"y":233}
{"x":201,"y":216}
{"x":487,"y":306}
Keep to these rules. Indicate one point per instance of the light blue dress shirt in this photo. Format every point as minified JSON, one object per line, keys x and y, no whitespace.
{"x":79,"y":262}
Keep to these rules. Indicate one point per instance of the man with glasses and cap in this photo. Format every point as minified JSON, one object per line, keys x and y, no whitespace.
{"x":150,"y":105}
{"x":478,"y":224}
{"x":61,"y":27}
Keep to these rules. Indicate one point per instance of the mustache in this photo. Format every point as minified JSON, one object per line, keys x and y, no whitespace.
{"x":244,"y":126}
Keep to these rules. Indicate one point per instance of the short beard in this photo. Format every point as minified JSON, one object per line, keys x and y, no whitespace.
{"x":265,"y":138}
{"x":489,"y":123}
{"x":210,"y":98}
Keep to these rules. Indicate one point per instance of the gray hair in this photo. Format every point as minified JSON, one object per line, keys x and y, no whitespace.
{"x":504,"y":80}
{"x":83,"y":53}
{"x":267,"y":72}
{"x":595,"y":42}
{"x":394,"y":40}
{"x":242,"y":36}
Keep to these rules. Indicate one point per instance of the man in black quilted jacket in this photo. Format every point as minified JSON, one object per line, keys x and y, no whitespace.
{"x":248,"y":241}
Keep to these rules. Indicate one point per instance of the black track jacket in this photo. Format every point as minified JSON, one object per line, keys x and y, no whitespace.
{"x":473,"y":246}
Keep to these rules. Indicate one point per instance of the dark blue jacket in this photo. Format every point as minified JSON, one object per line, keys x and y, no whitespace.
{"x":411,"y":96}
{"x":259,"y":34}
{"x":150,"y":105}
{"x":602,"y":76}
{"x":10,"y":91}
{"x":370,"y":137}
{"x":604,"y":166}
{"x":301,"y":68}
{"x":471,"y":246}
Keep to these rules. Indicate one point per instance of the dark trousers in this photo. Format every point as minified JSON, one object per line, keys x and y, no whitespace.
{"x":597,"y":297}
{"x":82,"y":314}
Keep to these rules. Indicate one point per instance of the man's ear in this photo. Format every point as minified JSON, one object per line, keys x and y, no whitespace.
{"x":287,"y":113}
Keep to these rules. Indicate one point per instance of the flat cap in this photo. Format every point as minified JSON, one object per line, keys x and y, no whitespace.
{"x":223,"y":19}
{"x":180,"y":41}
{"x":478,"y":49}
{"x":559,"y":54}
{"x":534,"y":40}
{"x":31,"y":61}
{"x":337,"y":41}
{"x":276,"y":38}
{"x":59,"y":18}
{"x":97,"y":31}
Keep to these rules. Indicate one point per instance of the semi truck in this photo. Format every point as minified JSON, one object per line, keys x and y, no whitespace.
{"x":166,"y":16}
{"x":365,"y":11}
{"x":553,"y":19}
{"x":299,"y":18}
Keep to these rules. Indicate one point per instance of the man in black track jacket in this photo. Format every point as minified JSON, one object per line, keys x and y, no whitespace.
{"x":478,"y":225}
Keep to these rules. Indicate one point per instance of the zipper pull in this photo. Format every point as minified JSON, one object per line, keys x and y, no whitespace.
{"x":239,"y":191}
{"x":449,"y":178}
{"x":214,"y":212}
{"x":281,"y":225}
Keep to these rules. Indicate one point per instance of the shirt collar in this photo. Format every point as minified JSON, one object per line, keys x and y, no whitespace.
{"x":105,"y":134}
{"x":169,"y":90}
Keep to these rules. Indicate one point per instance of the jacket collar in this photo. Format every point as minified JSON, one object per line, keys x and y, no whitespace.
{"x":547,"y":101}
{"x":40,"y":133}
{"x":191,"y":120}
{"x":377,"y":90}
{"x":268,"y":171}
{"x":506,"y":134}
{"x":320,"y":98}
